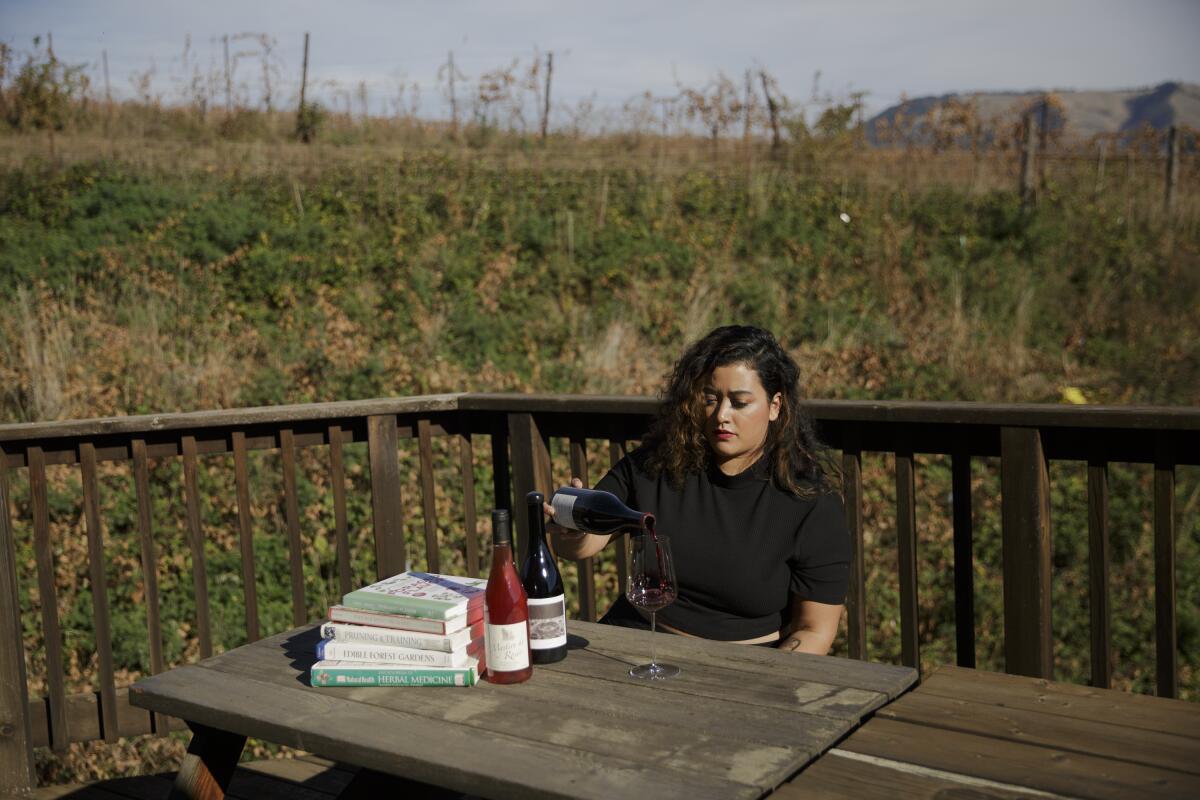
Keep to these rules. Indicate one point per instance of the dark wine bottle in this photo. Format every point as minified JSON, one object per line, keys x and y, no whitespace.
{"x":544,"y":587}
{"x":597,"y":511}
{"x":506,"y":610}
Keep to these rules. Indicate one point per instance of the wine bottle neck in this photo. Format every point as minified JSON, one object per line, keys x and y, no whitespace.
{"x":537,"y":526}
{"x":502,"y":553}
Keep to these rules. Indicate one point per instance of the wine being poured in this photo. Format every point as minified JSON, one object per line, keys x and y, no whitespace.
{"x":652,"y":587}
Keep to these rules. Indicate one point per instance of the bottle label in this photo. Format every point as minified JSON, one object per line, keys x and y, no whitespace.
{"x":563,"y":505}
{"x":547,"y":622}
{"x":507,"y":646}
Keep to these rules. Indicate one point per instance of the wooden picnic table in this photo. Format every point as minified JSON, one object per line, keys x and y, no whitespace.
{"x":739,"y":722}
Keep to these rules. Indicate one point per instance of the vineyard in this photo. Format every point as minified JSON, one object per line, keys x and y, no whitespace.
{"x":154,"y":258}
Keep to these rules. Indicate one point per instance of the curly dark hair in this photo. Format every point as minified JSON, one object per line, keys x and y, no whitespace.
{"x":676,"y":444}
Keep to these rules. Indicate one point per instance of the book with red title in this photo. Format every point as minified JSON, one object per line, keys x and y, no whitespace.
{"x":387,"y":654}
{"x":381,"y":619}
{"x":391,"y":637}
{"x":420,"y":594}
{"x":334,"y":673}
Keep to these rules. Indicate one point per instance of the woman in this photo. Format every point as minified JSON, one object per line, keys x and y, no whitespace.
{"x":732,"y":471}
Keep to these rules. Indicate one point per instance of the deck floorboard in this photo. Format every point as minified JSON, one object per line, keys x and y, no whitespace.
{"x":303,"y":778}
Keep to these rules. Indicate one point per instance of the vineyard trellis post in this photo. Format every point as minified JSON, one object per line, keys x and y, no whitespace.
{"x":228,"y":77}
{"x":1028,"y":157}
{"x":546,"y":108}
{"x":1172,"y":169}
{"x":773,"y":113}
{"x":1043,"y":145}
{"x":303,"y":126}
{"x":107,"y":94}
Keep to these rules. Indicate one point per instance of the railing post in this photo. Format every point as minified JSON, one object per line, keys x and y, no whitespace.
{"x":1165,"y":637}
{"x":964,"y":560}
{"x":856,"y":597}
{"x":530,"y":470}
{"x":387,"y":511}
{"x":16,"y":754}
{"x":1025,"y":517}
{"x":906,"y":553}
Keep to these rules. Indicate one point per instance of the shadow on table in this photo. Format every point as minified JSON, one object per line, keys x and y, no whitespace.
{"x":301,"y":650}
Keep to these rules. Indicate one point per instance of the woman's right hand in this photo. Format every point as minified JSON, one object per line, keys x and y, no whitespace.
{"x":572,"y":544}
{"x":548,"y":510}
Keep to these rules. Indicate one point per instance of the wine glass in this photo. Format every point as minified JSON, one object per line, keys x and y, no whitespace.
{"x":652,"y":586}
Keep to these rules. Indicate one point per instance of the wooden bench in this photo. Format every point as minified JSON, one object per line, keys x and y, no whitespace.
{"x":981,"y":734}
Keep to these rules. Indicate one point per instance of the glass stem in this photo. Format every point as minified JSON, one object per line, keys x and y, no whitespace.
{"x":652,"y":639}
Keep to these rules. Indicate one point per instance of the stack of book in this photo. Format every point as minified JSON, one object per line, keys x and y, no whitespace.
{"x":412,"y":629}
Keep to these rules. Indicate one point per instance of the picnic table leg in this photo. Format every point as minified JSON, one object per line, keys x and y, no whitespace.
{"x":208,"y":766}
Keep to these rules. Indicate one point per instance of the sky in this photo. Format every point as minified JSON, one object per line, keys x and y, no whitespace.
{"x":610,"y":52}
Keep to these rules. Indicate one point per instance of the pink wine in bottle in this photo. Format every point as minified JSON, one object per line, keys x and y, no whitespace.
{"x":506,"y":610}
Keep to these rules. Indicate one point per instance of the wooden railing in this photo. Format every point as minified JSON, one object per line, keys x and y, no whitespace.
{"x":523,"y":431}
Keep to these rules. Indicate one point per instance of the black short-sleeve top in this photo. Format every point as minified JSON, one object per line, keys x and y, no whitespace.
{"x":741,"y":546}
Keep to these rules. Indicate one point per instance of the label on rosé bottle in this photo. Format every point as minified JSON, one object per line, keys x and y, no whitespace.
{"x":507,"y":646}
{"x":547,"y":622}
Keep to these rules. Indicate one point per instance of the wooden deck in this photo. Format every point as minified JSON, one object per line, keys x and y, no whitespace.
{"x":302,"y":778}
{"x":966,"y":733}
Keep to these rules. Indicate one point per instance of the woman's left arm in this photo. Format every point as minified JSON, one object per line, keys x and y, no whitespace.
{"x":812,"y":627}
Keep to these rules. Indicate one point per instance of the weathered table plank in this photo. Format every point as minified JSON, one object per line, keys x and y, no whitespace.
{"x":1109,"y":739}
{"x":886,"y":679}
{"x":1065,"y":699}
{"x":1027,"y":765}
{"x":772,"y":691}
{"x":838,"y":776}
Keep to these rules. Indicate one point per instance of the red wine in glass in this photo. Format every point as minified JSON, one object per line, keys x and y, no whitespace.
{"x":652,"y":586}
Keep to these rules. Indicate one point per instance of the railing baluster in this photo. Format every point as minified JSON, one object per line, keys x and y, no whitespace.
{"x":616,"y":451}
{"x":16,"y":751}
{"x":1025,"y":520}
{"x":466,"y":455}
{"x":906,"y":535}
{"x":1166,"y":656}
{"x":48,"y":599}
{"x":337,"y":476}
{"x":99,"y":580}
{"x":387,"y":510}
{"x":196,"y":541}
{"x":964,"y":560}
{"x":241,"y":473}
{"x":428,"y":499}
{"x":587,"y":580}
{"x":1098,"y":560}
{"x":291,"y":506}
{"x":856,"y":597}
{"x":141,"y":483}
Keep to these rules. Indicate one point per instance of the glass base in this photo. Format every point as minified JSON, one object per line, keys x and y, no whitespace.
{"x":654,"y":672}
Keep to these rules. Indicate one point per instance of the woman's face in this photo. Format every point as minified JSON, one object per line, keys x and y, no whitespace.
{"x":737,"y":415}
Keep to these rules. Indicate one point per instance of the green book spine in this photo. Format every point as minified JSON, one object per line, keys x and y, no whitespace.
{"x":334,"y":677}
